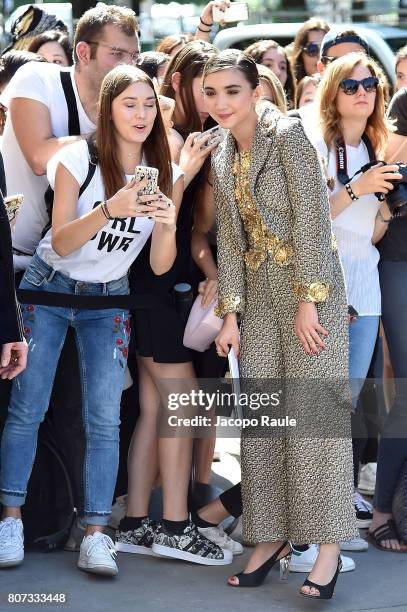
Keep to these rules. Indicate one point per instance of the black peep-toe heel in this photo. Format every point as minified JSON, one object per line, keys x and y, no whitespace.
{"x":257,"y":577}
{"x":325,"y":590}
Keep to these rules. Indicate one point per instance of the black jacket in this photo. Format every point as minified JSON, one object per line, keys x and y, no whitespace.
{"x":11,"y":326}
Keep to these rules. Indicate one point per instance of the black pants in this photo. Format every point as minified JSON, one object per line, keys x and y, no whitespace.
{"x":393,"y":443}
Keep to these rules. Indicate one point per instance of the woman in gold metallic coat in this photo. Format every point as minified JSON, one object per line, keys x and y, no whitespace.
{"x":280,"y":271}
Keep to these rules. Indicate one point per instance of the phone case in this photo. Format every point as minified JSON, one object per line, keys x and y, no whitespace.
{"x":152,"y":174}
{"x":237,"y":11}
{"x":216,"y":134}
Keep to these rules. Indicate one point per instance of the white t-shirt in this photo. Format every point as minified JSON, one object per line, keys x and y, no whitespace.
{"x":41,"y":82}
{"x":110,"y":253}
{"x":353,"y":229}
{"x":310,"y":120}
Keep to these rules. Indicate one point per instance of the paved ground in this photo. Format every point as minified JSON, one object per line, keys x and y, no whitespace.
{"x":156,"y":585}
{"x":148,"y":584}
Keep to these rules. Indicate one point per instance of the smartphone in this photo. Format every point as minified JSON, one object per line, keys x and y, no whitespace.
{"x":216,"y":134}
{"x":237,"y":11}
{"x":12,"y":204}
{"x":141,"y":172}
{"x":352,"y":311}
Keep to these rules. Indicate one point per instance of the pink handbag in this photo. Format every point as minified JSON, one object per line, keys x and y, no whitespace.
{"x":202,"y":326}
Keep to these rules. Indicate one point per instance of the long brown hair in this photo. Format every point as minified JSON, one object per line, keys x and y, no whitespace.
{"x":189,"y":62}
{"x":257,"y":51}
{"x":297,"y":62}
{"x":377,"y":127}
{"x":266,"y":75}
{"x":155,"y":148}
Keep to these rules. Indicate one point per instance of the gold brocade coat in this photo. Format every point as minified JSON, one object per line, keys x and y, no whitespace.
{"x":275,"y":247}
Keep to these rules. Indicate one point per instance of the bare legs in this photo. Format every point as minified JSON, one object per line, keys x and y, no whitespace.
{"x":149,"y":454}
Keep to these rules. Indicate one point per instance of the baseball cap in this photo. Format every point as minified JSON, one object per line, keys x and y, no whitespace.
{"x":337,"y":37}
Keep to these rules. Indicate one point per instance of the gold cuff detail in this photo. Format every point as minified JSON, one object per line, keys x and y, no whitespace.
{"x":226,"y":304}
{"x":315,"y":292}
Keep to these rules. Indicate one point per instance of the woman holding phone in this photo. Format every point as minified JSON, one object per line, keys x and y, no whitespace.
{"x":100,"y":223}
{"x":278,"y":268}
{"x":161,"y":355}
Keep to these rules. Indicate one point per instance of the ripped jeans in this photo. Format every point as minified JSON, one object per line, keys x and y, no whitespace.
{"x":102,"y":338}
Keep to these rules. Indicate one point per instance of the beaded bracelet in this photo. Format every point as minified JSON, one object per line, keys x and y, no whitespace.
{"x":352,"y":196}
{"x":208,"y":25}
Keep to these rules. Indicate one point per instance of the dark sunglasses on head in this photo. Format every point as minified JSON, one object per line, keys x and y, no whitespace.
{"x":351,"y":86}
{"x":311,"y":49}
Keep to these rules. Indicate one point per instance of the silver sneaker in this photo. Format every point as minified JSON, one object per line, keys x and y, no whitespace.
{"x":219,"y":537}
{"x":97,"y":554}
{"x":11,"y":542}
{"x":355,"y":545}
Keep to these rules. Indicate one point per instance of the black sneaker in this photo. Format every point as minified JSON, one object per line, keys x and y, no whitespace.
{"x":364,"y":511}
{"x":137,"y":541}
{"x":189,"y":546}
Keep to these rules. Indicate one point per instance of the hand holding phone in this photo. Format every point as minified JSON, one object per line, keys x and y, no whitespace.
{"x":237,"y":11}
{"x":210,"y":137}
{"x":151,"y":174}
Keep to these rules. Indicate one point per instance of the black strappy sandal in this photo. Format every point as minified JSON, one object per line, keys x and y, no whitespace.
{"x":256,"y":578}
{"x":387,"y":531}
{"x":325,"y":590}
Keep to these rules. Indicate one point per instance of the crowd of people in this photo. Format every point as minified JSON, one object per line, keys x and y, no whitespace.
{"x":273,"y":202}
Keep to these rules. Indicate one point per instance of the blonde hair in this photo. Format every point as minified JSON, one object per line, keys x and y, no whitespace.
{"x":377,"y":127}
{"x":279,"y":99}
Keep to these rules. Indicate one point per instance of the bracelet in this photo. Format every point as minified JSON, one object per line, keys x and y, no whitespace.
{"x":105,"y":211}
{"x":208,"y":25}
{"x":201,"y":30}
{"x":102,"y":208}
{"x":352,"y":196}
{"x":382,"y":219}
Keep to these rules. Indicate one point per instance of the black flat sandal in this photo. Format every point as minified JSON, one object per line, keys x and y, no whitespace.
{"x":325,"y":590}
{"x":387,"y":531}
{"x":257,"y":577}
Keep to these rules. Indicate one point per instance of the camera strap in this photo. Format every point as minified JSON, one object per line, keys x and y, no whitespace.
{"x":341,"y":158}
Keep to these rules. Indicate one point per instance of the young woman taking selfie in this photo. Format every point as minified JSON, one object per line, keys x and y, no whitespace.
{"x":100,"y":223}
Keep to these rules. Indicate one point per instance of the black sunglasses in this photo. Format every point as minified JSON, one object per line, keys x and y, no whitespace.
{"x":311,"y":49}
{"x":351,"y":86}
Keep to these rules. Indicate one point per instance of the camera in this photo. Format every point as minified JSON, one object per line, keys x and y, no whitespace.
{"x":397,"y":198}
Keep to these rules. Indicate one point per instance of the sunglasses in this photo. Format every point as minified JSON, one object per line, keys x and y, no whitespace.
{"x":351,"y":86}
{"x":311,"y":49}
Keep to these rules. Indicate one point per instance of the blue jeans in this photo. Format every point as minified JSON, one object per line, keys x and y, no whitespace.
{"x":362,"y":339}
{"x":102,"y":340}
{"x":393,"y":442}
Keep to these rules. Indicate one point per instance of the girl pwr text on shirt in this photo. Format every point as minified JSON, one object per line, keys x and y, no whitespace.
{"x":112,"y":237}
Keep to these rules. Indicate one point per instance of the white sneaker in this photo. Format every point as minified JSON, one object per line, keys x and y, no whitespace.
{"x":304,"y":561}
{"x":11,"y":542}
{"x":219,"y":537}
{"x":355,"y":545}
{"x":367,"y":479}
{"x":97,"y":555}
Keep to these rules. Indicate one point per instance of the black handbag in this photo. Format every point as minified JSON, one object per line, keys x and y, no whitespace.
{"x":400,"y":504}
